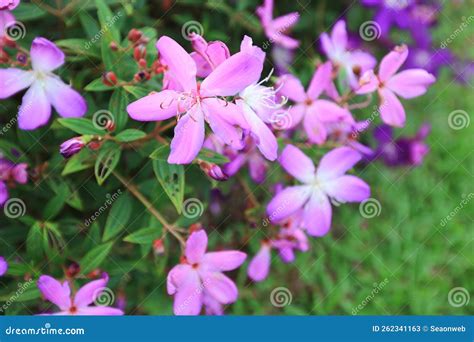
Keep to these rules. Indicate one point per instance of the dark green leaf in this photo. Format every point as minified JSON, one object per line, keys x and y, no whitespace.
{"x":118,"y":217}
{"x":98,"y":85}
{"x":95,"y":257}
{"x":81,"y":126}
{"x":34,"y":242}
{"x":212,"y":157}
{"x":118,"y":107}
{"x":171,"y":178}
{"x":130,"y":135}
{"x":106,"y":162}
{"x":144,"y":236}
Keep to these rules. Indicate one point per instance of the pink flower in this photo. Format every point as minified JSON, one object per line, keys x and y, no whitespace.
{"x":259,"y":266}
{"x":45,"y":88}
{"x":79,"y":304}
{"x":208,"y":55}
{"x":9,"y":4}
{"x":199,"y":279}
{"x":275,"y":28}
{"x":314,"y":112}
{"x":11,"y":173}
{"x":198,"y":102}
{"x":335,"y":46}
{"x":3,"y":266}
{"x":320,"y":185}
{"x":406,"y":84}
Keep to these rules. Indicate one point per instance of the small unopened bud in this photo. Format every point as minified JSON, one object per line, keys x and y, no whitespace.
{"x":94,"y":274}
{"x":94,"y":145}
{"x":72,"y":146}
{"x":142,"y":76}
{"x":139,"y":52}
{"x":109,"y":78}
{"x":113,"y":46}
{"x":134,"y":35}
{"x":213,"y":170}
{"x":195,"y":227}
{"x":110,"y":126}
{"x":142,"y":63}
{"x":72,"y":270}
{"x":21,"y":58}
{"x":158,"y":247}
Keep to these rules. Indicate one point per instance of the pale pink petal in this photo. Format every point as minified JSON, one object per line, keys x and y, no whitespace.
{"x":327,"y":45}
{"x":365,"y":61}
{"x":347,"y":189}
{"x":287,"y":201}
{"x":328,"y":111}
{"x":188,"y":137}
{"x":285,"y":22}
{"x":317,"y":214}
{"x":410,"y":83}
{"x":282,"y":39}
{"x":176,"y":277}
{"x":247,"y":46}
{"x":155,"y":107}
{"x":225,"y":260}
{"x":217,"y":52}
{"x":45,"y":55}
{"x":336,"y":162}
{"x":391,"y":109}
{"x":260,"y":264}
{"x":202,"y":66}
{"x":286,"y":254}
{"x":220,"y":287}
{"x":13,"y":80}
{"x":290,"y":86}
{"x":339,"y":35}
{"x":88,"y":293}
{"x":297,"y":112}
{"x":3,"y":193}
{"x":67,"y":102}
{"x":188,"y":298}
{"x":35,"y":109}
{"x":99,"y":311}
{"x":368,"y":83}
{"x":55,"y":292}
{"x":320,"y":81}
{"x":233,"y":75}
{"x":314,"y":127}
{"x":181,"y":67}
{"x":196,"y":247}
{"x":392,"y":62}
{"x":297,"y":164}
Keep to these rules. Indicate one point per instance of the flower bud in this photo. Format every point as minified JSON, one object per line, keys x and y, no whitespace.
{"x":139,"y":52}
{"x":142,"y":63}
{"x":72,"y":270}
{"x":113,"y":46}
{"x":141,"y":76}
{"x":158,"y":247}
{"x":21,"y":58}
{"x":71,"y":147}
{"x":134,"y":35}
{"x":213,"y":170}
{"x":109,"y":78}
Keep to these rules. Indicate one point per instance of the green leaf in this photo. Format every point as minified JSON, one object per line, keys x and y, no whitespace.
{"x":118,"y":107}
{"x":118,"y":217}
{"x":81,"y":126}
{"x":138,"y":92}
{"x":90,"y":25}
{"x":98,"y":85}
{"x":161,"y":153}
{"x":78,"y":162}
{"x":106,"y":162}
{"x":144,"y":236}
{"x":26,"y":12}
{"x":79,"y":46}
{"x":56,"y":203}
{"x":110,"y":31}
{"x":212,"y":157}
{"x":95,"y":257}
{"x":34,"y":242}
{"x":171,"y":178}
{"x":130,"y":135}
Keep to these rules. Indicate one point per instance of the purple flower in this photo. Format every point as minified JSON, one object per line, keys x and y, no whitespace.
{"x":199,"y":103}
{"x":275,"y":29}
{"x":401,"y":151}
{"x":71,"y":146}
{"x":314,"y":112}
{"x":199,"y":279}
{"x":428,"y":59}
{"x":45,"y":88}
{"x":353,"y":63}
{"x":390,"y":12}
{"x":9,"y":4}
{"x":406,"y":84}
{"x":79,"y":304}
{"x":326,"y":182}
{"x":207,"y":55}
{"x":11,"y":173}
{"x":259,"y":266}
{"x":3,"y":266}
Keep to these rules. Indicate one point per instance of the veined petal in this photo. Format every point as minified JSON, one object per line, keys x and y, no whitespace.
{"x":290,"y":86}
{"x":297,"y":164}
{"x":13,"y":80}
{"x":391,"y":109}
{"x":35,"y":109}
{"x":317,"y":214}
{"x":392,"y":62}
{"x":220,"y":287}
{"x":55,"y":292}
{"x":90,"y":292}
{"x":188,"y":298}
{"x":225,"y":260}
{"x":67,"y":102}
{"x":347,"y":188}
{"x":320,"y":81}
{"x":155,"y":107}
{"x":287,"y":201}
{"x":336,"y":162}
{"x":196,"y":246}
{"x":176,"y":277}
{"x":45,"y":55}
{"x":410,"y":83}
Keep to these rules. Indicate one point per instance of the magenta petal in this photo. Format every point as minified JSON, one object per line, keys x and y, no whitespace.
{"x":154,"y":107}
{"x":336,"y":162}
{"x":391,"y":109}
{"x":176,"y":277}
{"x":290,"y":86}
{"x":365,"y":61}
{"x":55,"y":292}
{"x":285,"y":22}
{"x":297,"y":164}
{"x":320,"y":81}
{"x":67,"y":102}
{"x":20,"y":173}
{"x":3,"y":262}
{"x":287,"y":201}
{"x":188,"y":137}
{"x":392,"y":62}
{"x":233,"y":75}
{"x":188,"y":298}
{"x":220,"y":287}
{"x":317,"y":214}
{"x":181,"y":67}
{"x":260,"y":264}
{"x":13,"y":80}
{"x":99,"y":311}
{"x":45,"y":55}
{"x":89,"y":292}
{"x":35,"y":109}
{"x":196,"y":246}
{"x":224,"y":261}
{"x":3,"y":193}
{"x":347,"y":189}
{"x":202,"y":65}
{"x":410,"y":83}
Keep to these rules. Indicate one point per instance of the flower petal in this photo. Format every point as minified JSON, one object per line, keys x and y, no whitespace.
{"x":347,"y":189}
{"x":55,"y":292}
{"x":320,"y":81}
{"x":13,"y":80}
{"x":88,"y":293}
{"x":392,"y":62}
{"x":287,"y":201}
{"x":176,"y":277}
{"x":3,"y":193}
{"x":99,"y":311}
{"x":368,"y":83}
{"x":154,"y":107}
{"x":35,"y":109}
{"x":391,"y":109}
{"x":290,"y":86}
{"x":317,"y":214}
{"x":220,"y":287}
{"x":297,"y":164}
{"x":67,"y":102}
{"x":188,"y":137}
{"x":225,"y":260}
{"x":188,"y":298}
{"x":45,"y":55}
{"x":297,"y":112}
{"x":196,"y":246}
{"x":260,"y":264}
{"x":314,"y":127}
{"x":410,"y":83}
{"x":339,"y":35}
{"x":336,"y":162}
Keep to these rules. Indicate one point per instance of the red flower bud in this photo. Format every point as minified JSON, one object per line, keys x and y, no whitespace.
{"x":113,"y":46}
{"x":134,"y":35}
{"x":158,"y":247}
{"x":109,"y":78}
{"x":139,"y":52}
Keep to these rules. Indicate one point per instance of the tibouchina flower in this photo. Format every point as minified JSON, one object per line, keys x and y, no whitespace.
{"x":198,"y":102}
{"x":275,"y":29}
{"x":199,"y":279}
{"x":406,"y":84}
{"x":259,"y":266}
{"x":320,"y":185}
{"x":11,"y":173}
{"x":6,"y":18}
{"x":45,"y":88}
{"x":208,"y":55}
{"x":335,"y":46}
{"x":314,"y":112}
{"x":3,"y":266}
{"x":9,"y":4}
{"x":80,"y":304}
{"x":72,"y":146}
